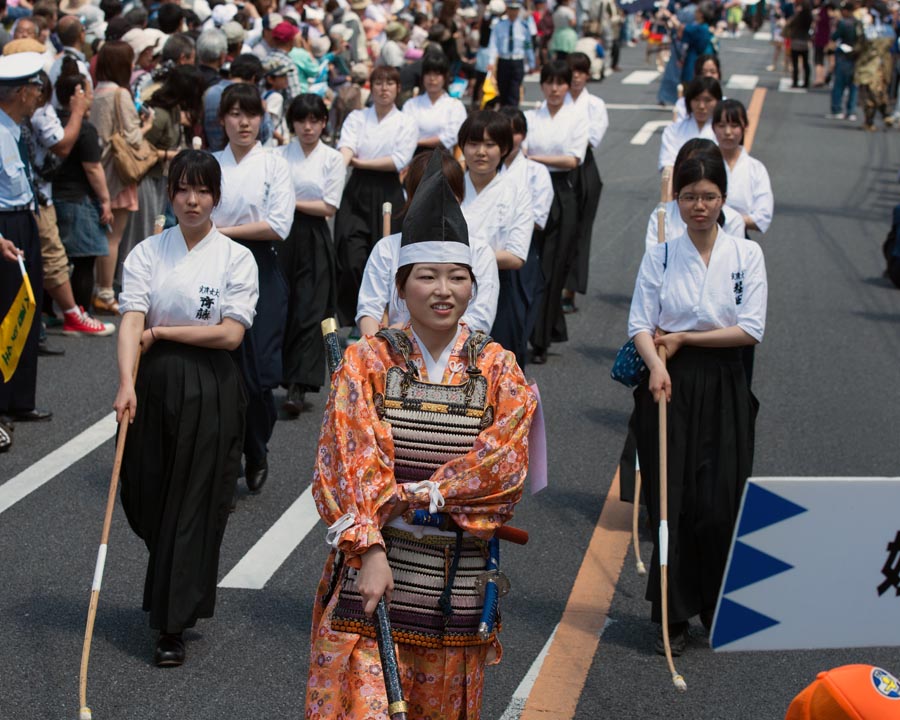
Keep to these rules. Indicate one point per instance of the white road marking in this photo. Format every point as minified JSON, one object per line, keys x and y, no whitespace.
{"x":520,"y":696}
{"x":642,"y":136}
{"x":784,"y":85}
{"x":742,"y":82}
{"x":762,"y":35}
{"x":49,"y":466}
{"x":255,"y":569}
{"x":641,"y":77}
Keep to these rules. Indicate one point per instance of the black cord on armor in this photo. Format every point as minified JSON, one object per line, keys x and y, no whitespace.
{"x":445,"y":603}
{"x":335,"y":574}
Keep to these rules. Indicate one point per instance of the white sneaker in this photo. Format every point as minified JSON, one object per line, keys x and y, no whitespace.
{"x":852,"y":117}
{"x":835,"y":116}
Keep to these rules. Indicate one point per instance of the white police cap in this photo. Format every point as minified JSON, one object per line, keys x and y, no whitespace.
{"x":20,"y":68}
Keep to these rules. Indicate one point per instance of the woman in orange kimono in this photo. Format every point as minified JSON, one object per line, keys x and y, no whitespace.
{"x":433,"y":417}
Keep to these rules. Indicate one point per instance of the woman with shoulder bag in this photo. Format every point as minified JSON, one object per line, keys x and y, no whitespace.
{"x":114,"y":112}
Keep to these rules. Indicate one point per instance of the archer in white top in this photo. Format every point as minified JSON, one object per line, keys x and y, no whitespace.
{"x":536,"y":178}
{"x":176,"y":286}
{"x":594,"y":110}
{"x":257,"y":195}
{"x":317,"y":176}
{"x":552,"y":138}
{"x":387,"y":144}
{"x":749,"y":187}
{"x":379,"y":291}
{"x":500,"y":213}
{"x":702,"y":95}
{"x":687,"y":295}
{"x":438,"y":116}
{"x":734,"y":223}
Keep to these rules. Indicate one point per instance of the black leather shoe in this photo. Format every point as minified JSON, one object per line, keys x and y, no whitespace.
{"x":169,"y":650}
{"x":31,"y":415}
{"x":539,"y":357}
{"x":678,"y":637}
{"x":44,"y":350}
{"x":293,"y":406}
{"x":256,"y":476}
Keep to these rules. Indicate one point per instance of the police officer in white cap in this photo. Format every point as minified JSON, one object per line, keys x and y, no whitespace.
{"x":511,"y":54}
{"x":20,"y":95}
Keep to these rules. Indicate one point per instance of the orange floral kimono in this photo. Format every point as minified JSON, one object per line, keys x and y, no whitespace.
{"x":354,"y":476}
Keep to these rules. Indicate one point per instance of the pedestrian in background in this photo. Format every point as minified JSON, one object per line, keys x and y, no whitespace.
{"x":847,"y":37}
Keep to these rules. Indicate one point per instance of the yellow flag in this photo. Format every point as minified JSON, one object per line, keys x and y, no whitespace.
{"x":14,"y":330}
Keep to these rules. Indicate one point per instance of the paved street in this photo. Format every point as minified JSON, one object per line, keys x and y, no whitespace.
{"x":826,"y":376}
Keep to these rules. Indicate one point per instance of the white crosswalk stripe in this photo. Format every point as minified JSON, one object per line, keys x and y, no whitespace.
{"x":640,"y":77}
{"x":742,"y":82}
{"x":762,"y":35}
{"x":784,"y":85}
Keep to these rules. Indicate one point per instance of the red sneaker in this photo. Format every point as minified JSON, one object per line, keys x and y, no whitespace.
{"x":81,"y":323}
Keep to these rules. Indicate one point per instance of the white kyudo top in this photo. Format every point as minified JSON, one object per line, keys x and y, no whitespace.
{"x":677,"y":134}
{"x":258,"y":189}
{"x":217,"y":279}
{"x":317,"y":176}
{"x":442,"y":118}
{"x":501,"y":214}
{"x":396,"y":135}
{"x":564,"y":134}
{"x":597,"y":117}
{"x":536,"y":177}
{"x":378,"y":291}
{"x":750,"y":190}
{"x":687,"y":295}
{"x":675,"y":225}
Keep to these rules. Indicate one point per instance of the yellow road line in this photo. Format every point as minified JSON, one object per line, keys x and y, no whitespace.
{"x":559,"y":684}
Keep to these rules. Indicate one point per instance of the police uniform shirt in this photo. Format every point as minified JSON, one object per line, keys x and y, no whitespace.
{"x":172,"y":286}
{"x":442,"y":118}
{"x":258,"y":189}
{"x":317,"y":176}
{"x":521,"y":45}
{"x":15,"y":191}
{"x":501,"y":214}
{"x":594,"y":109}
{"x":562,"y":134}
{"x":396,"y":136}
{"x":47,"y":131}
{"x":677,"y":134}
{"x":378,"y":290}
{"x":675,"y":225}
{"x":750,"y":190}
{"x":536,"y":177}
{"x":687,"y":295}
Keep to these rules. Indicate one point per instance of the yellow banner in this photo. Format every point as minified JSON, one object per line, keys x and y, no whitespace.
{"x":14,"y":331}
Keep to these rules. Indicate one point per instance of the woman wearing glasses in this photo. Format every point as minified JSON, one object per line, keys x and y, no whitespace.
{"x":702,"y":297}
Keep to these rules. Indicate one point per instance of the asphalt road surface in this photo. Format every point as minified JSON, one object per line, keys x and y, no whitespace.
{"x":826,"y":376}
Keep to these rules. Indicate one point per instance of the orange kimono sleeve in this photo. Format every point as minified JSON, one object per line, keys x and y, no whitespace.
{"x":482,"y":487}
{"x":353,"y":481}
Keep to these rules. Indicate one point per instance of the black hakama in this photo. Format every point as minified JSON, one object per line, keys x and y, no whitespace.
{"x":517,"y":303}
{"x":588,"y":187}
{"x":711,"y":421}
{"x":307,"y":260}
{"x":558,"y":237}
{"x":358,"y":225}
{"x":259,"y":355}
{"x":21,"y":229}
{"x":179,"y":472}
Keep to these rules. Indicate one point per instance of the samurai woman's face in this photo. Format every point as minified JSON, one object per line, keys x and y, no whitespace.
{"x":437,"y":295}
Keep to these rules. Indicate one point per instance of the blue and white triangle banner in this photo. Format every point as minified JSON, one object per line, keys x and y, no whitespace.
{"x":808,"y":566}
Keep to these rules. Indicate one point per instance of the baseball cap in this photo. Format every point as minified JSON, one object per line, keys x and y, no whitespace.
{"x":849,"y":692}
{"x":284,"y":31}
